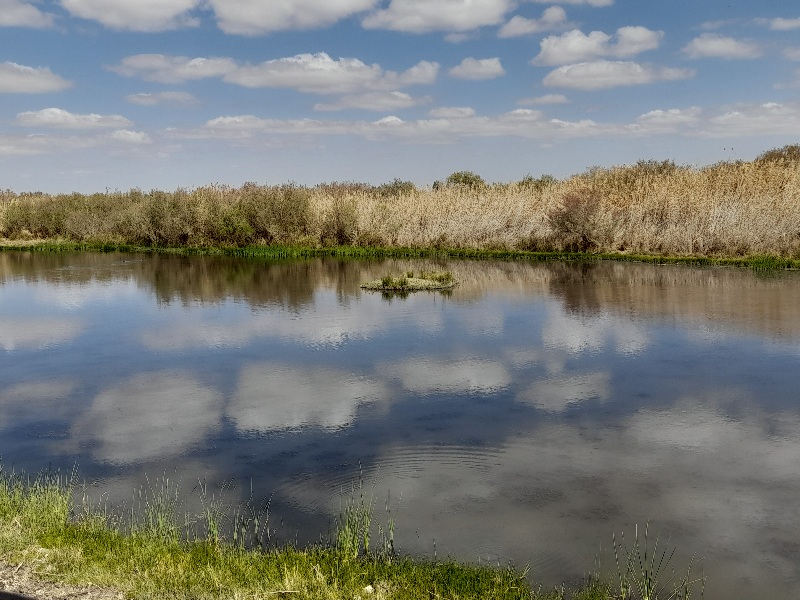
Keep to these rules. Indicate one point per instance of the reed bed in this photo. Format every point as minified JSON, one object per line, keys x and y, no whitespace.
{"x":730,"y":209}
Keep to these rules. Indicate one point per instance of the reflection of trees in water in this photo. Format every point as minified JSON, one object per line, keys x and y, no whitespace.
{"x":576,"y":284}
{"x":767,"y":305}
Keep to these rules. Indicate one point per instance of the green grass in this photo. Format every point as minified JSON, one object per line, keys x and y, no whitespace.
{"x":280,"y":252}
{"x":158,"y":553}
{"x":409,"y":282}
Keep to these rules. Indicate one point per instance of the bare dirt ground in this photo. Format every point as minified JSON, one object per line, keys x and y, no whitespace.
{"x":21,"y":580}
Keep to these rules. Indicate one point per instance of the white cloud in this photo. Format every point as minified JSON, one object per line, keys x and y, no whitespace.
{"x":754,"y":119}
{"x":14,"y":13}
{"x":781,"y":24}
{"x":595,"y":3}
{"x":559,"y":393}
{"x":34,"y":401}
{"x":453,"y":377}
{"x":315,"y":73}
{"x":452,"y":112}
{"x":575,"y":46}
{"x":320,"y":74}
{"x":58,"y":118}
{"x":552,"y":18}
{"x":546,"y":99}
{"x":712,"y":45}
{"x":274,"y":397}
{"x":173,"y":69}
{"x":667,"y":121}
{"x":168,"y":98}
{"x":141,"y":419}
{"x":477,"y":69}
{"x":422,"y":16}
{"x":791,"y":53}
{"x":254,"y":17}
{"x":141,"y":15}
{"x":20,"y":79}
{"x":36,"y":333}
{"x":605,"y":74}
{"x":378,"y":101}
{"x":131,"y":137}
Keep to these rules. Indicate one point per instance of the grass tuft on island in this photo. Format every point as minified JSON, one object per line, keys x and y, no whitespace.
{"x":156,"y":552}
{"x":408,"y":282}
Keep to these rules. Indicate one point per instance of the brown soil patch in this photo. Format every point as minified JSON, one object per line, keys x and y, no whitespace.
{"x":20,"y":579}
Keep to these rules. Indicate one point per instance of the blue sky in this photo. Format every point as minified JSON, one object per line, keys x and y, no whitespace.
{"x":116,"y":94}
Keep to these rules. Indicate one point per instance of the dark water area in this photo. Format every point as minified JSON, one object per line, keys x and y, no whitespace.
{"x":523,"y":417}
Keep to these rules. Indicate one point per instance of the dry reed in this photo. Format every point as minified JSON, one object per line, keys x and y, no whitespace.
{"x":727,"y":209}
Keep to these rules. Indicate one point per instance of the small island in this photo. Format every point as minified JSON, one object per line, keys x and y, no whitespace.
{"x":408,"y":282}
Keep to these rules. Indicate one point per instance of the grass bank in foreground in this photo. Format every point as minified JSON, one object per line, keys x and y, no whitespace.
{"x":150,"y":555}
{"x":730,"y":210}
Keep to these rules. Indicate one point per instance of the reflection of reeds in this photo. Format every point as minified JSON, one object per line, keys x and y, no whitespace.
{"x":727,"y":209}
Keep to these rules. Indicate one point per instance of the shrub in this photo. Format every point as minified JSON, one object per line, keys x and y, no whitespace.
{"x":397,"y":187}
{"x":543,"y":182}
{"x":789,"y":153}
{"x":574,"y":221}
{"x":276,"y":214}
{"x":465,"y":179}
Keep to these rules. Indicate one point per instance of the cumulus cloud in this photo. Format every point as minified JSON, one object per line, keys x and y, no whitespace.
{"x":477,"y":69}
{"x":791,"y":53}
{"x":781,"y":24}
{"x":560,"y":393}
{"x":452,"y":112}
{"x":33,"y":401}
{"x":147,"y":417}
{"x":253,"y":17}
{"x":444,"y":376}
{"x":605,"y":74}
{"x":315,"y":73}
{"x":142,"y":15}
{"x":15,"y":78}
{"x":58,"y":118}
{"x":575,"y":46}
{"x":36,"y":333}
{"x":668,"y":121}
{"x":131,"y":137}
{"x":274,"y":397}
{"x":712,"y":45}
{"x":163,"y":68}
{"x":423,"y":16}
{"x":378,"y":101}
{"x":546,"y":99}
{"x":159,"y":98}
{"x":320,"y":74}
{"x":755,"y":119}
{"x":14,"y":13}
{"x":552,"y":18}
{"x":595,"y":3}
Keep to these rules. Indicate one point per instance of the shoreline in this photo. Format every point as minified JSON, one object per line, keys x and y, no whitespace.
{"x":283,"y":252}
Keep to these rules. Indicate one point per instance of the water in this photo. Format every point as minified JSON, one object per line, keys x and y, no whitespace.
{"x":524,"y":417}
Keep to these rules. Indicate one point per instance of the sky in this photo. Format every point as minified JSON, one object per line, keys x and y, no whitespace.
{"x":100,"y":95}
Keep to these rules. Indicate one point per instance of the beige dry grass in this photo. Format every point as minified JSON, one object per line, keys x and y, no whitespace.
{"x":727,"y":209}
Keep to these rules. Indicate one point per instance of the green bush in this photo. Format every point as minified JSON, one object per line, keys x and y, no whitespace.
{"x":465,"y":179}
{"x":789,"y":153}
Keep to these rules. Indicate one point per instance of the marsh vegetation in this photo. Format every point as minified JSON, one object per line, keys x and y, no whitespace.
{"x":729,"y":209}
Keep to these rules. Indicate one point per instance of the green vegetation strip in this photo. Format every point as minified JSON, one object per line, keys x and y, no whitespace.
{"x":274,"y":252}
{"x":43,"y":529}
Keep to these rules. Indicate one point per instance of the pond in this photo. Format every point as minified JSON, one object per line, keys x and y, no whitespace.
{"x":525,"y":416}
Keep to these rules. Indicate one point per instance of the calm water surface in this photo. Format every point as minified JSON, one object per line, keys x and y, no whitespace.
{"x":524,"y":417}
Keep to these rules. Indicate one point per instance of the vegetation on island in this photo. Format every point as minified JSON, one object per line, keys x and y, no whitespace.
{"x":735,"y":211}
{"x":409,"y":282}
